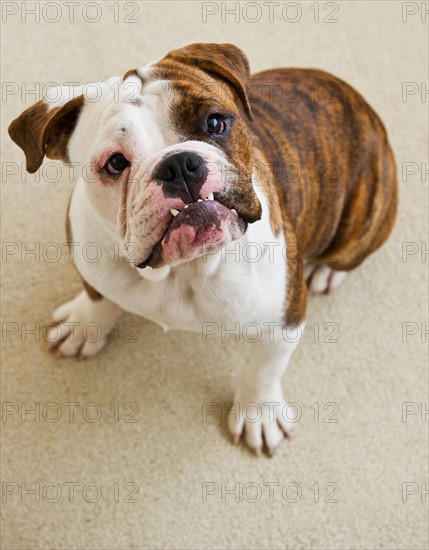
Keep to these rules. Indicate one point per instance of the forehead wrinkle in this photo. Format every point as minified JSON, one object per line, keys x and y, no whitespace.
{"x":119,"y":130}
{"x":198,"y":101}
{"x":129,"y":89}
{"x":196,"y":89}
{"x":157,"y":87}
{"x":135,"y":101}
{"x":207,"y":96}
{"x":174,"y":72}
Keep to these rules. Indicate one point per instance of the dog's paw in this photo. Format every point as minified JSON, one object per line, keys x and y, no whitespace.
{"x":322,"y":279}
{"x":80,"y":328}
{"x":262,"y":419}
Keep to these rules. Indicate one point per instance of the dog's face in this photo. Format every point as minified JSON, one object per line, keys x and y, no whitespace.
{"x":164,"y":151}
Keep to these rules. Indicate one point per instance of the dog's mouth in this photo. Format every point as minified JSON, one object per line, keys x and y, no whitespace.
{"x":193,"y":230}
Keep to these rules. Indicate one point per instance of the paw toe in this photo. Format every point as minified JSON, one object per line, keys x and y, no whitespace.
{"x":57,"y":334}
{"x":89,"y":349}
{"x":71,"y":346}
{"x":62,"y":312}
{"x":253,"y":435}
{"x":273,"y":436}
{"x":321,"y":278}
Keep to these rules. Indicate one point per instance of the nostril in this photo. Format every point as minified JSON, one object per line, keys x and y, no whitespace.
{"x":193,"y":162}
{"x":166,"y":172}
{"x":170,"y":173}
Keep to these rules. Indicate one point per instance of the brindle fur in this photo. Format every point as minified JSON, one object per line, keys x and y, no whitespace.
{"x":331,"y":166}
{"x":322,"y":158}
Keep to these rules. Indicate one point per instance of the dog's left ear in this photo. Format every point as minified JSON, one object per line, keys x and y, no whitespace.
{"x":224,"y":61}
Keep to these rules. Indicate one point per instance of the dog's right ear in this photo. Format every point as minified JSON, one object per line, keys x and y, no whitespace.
{"x":45,"y":129}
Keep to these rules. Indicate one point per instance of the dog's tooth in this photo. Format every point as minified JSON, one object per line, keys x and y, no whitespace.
{"x":210,"y":197}
{"x":200,"y":200}
{"x":174,"y":211}
{"x":186,"y":206}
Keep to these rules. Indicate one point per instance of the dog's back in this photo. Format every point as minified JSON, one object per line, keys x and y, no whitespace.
{"x":331,"y":163}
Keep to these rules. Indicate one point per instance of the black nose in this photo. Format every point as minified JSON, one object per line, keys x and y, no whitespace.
{"x":182,"y":175}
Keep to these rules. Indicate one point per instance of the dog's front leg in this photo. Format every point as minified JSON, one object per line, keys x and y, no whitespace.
{"x":260,"y":412}
{"x":81,"y":327}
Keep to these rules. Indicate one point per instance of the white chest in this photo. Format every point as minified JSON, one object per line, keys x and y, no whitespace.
{"x":240,"y":283}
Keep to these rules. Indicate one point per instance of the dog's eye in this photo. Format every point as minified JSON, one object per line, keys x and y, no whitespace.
{"x":216,"y":124}
{"x":116,"y":164}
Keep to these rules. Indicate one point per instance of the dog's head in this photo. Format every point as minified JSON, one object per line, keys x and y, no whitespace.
{"x":165,"y":151}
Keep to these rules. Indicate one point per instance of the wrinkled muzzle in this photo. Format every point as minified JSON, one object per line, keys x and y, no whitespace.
{"x":186,"y":205}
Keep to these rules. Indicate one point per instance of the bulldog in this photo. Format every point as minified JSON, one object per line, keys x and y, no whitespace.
{"x":218,"y":199}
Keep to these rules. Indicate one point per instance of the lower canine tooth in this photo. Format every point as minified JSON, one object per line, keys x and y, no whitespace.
{"x":174,"y":211}
{"x":210,"y":197}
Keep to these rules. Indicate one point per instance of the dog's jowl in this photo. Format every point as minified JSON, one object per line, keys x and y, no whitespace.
{"x":188,"y":164}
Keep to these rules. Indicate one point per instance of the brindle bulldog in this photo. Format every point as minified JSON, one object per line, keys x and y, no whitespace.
{"x":216,"y":200}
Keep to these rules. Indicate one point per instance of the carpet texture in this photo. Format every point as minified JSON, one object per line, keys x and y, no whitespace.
{"x":355,"y":474}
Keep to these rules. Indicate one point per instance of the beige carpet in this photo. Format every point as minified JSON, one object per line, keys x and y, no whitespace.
{"x":170,"y":453}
